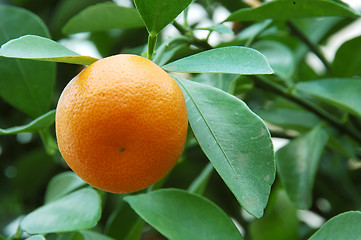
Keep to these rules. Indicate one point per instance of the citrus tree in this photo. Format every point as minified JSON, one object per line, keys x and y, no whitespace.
{"x":173,"y":128}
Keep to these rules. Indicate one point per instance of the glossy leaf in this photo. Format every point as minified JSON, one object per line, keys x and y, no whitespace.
{"x":287,"y":9}
{"x":76,"y":211}
{"x":350,"y":50}
{"x":157,"y":14}
{"x":343,"y":226}
{"x":41,"y":122}
{"x":27,"y":85}
{"x":40,"y":48}
{"x":278,"y":56}
{"x":340,"y":92}
{"x":61,"y":185}
{"x":103,"y":16}
{"x":297,"y":164}
{"x":238,"y":60}
{"x":235,"y":140}
{"x":199,"y":218}
{"x":36,"y":237}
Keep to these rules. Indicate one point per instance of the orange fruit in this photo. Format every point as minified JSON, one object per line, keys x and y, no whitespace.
{"x":121,"y":123}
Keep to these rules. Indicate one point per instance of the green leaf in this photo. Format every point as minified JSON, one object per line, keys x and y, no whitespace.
{"x":343,"y":226}
{"x":180,"y":215}
{"x":157,"y":14}
{"x":76,"y":211}
{"x":70,"y":236}
{"x":316,"y":29}
{"x":41,"y":122}
{"x":251,"y":32}
{"x":36,"y":237}
{"x":280,"y":221}
{"x":199,"y":185}
{"x":278,"y":56}
{"x":222,"y":81}
{"x":235,"y":140}
{"x":297,"y":164}
{"x":103,"y":16}
{"x":64,"y":11}
{"x":342,"y":144}
{"x":297,"y":119}
{"x":136,"y":231}
{"x":44,"y":49}
{"x":124,"y":223}
{"x":238,"y":60}
{"x":27,"y":85}
{"x":350,"y":50}
{"x":340,"y":92}
{"x":91,"y":235}
{"x":169,"y":48}
{"x":290,"y":9}
{"x":220,"y":28}
{"x":61,"y":185}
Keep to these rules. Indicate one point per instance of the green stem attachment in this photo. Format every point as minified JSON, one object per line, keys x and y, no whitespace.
{"x":152,"y":41}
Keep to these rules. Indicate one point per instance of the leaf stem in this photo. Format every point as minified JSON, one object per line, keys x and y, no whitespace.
{"x":268,"y":85}
{"x":314,"y":48}
{"x":49,"y":143}
{"x":152,"y":41}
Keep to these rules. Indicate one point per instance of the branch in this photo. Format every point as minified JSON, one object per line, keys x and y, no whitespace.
{"x":285,"y":92}
{"x":282,"y":91}
{"x":314,"y":48}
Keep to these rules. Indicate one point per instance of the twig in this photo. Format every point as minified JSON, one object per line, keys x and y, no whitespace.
{"x":195,"y":41}
{"x":282,"y":91}
{"x":314,"y":48}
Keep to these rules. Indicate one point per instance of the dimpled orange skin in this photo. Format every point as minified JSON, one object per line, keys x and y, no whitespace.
{"x":121,"y":123}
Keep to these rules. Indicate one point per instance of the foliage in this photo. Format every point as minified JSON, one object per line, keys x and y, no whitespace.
{"x":248,"y":82}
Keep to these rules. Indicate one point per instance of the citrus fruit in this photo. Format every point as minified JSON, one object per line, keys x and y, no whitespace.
{"x":121,"y":123}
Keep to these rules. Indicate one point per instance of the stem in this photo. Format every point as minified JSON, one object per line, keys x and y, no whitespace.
{"x":294,"y":97}
{"x":200,"y":183}
{"x":49,"y":143}
{"x":18,"y":233}
{"x":185,"y":12}
{"x":314,"y":48}
{"x":196,"y":41}
{"x":152,"y":40}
